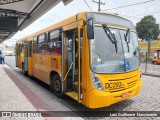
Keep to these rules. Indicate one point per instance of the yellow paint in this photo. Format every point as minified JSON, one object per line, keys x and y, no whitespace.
{"x":73,"y":95}
{"x":144,"y":47}
{"x":39,"y":66}
{"x":102,"y":99}
{"x":156,"y":61}
{"x":116,"y":27}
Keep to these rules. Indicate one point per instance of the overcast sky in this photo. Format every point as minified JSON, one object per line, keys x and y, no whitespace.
{"x":60,"y":12}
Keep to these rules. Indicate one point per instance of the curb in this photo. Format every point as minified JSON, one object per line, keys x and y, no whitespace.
{"x":147,"y":74}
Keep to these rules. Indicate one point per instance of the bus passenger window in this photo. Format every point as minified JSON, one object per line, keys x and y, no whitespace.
{"x":54,"y":42}
{"x":41,"y":44}
{"x":34,"y":44}
{"x":20,"y":48}
{"x":23,"y":47}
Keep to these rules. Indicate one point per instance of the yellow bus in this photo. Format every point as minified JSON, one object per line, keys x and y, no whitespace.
{"x":92,"y":57}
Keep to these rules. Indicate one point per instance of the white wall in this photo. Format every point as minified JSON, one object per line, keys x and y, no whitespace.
{"x":10,"y":61}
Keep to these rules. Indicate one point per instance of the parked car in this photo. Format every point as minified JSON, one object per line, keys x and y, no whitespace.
{"x":156,"y":61}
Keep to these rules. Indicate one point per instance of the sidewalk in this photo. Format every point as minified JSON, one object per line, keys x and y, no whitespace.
{"x":16,"y":96}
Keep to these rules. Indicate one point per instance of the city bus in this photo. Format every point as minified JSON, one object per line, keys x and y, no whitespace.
{"x":92,"y":57}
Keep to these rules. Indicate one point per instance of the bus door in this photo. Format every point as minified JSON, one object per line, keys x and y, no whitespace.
{"x":30,"y":58}
{"x":25,"y":58}
{"x":71,"y":67}
{"x":17,"y":54}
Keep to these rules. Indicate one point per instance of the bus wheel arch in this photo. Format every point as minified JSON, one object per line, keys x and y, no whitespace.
{"x":55,"y":84}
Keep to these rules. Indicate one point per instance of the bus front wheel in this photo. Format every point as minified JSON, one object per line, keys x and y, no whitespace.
{"x":57,"y":86}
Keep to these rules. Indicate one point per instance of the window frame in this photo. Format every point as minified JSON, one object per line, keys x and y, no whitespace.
{"x":34,"y":45}
{"x":42,"y":43}
{"x":45,"y":38}
{"x":55,"y":41}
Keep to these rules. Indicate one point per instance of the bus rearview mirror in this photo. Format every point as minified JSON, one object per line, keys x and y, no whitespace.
{"x":90,"y":28}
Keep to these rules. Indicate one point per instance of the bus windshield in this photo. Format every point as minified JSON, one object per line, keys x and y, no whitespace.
{"x":104,"y":57}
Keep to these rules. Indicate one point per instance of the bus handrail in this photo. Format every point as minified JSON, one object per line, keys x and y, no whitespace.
{"x":68,"y":71}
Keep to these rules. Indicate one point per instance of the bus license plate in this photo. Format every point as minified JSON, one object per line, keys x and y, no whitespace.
{"x":125,"y":94}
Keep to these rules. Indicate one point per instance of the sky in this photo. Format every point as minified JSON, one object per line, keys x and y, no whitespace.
{"x":134,"y":13}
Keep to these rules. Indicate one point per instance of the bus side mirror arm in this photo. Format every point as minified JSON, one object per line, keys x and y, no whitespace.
{"x":87,"y":20}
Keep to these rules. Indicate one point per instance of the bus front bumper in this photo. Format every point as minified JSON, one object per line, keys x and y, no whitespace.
{"x":98,"y":99}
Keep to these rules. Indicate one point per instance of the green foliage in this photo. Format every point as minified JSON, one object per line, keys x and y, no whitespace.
{"x":149,"y":59}
{"x":147,"y":28}
{"x":10,"y":54}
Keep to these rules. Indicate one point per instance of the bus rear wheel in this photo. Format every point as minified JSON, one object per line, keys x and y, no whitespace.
{"x":57,"y":86}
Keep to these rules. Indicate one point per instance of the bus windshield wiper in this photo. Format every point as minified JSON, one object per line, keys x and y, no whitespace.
{"x":111,"y":36}
{"x":125,"y":38}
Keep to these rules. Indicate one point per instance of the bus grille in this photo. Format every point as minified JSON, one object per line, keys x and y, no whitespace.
{"x":131,"y":82}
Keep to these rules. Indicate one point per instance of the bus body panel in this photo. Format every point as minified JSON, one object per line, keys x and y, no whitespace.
{"x":21,"y":60}
{"x":36,"y":66}
{"x":30,"y":66}
{"x":42,"y":66}
{"x":98,"y":99}
{"x":118,"y":82}
{"x":50,"y":63}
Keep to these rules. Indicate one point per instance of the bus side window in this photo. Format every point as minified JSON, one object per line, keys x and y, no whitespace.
{"x":54,"y":42}
{"x":34,"y":44}
{"x":20,"y":51}
{"x":41,"y":44}
{"x":23,"y":47}
{"x":30,"y":49}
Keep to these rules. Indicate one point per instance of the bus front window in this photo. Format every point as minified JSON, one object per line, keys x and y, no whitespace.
{"x":131,"y":55}
{"x":103,"y":55}
{"x":106,"y":58}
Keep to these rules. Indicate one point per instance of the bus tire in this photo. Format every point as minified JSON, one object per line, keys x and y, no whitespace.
{"x":57,"y":86}
{"x":23,"y":70}
{"x":155,"y":63}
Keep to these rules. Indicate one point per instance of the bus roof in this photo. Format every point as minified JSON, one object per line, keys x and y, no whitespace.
{"x":81,"y":15}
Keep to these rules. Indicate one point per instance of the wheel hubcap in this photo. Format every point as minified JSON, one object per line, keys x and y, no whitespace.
{"x":57,"y":85}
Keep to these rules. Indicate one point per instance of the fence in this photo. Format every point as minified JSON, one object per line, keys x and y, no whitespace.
{"x":147,"y":66}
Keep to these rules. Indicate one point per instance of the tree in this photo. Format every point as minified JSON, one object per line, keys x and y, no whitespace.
{"x":147,"y":28}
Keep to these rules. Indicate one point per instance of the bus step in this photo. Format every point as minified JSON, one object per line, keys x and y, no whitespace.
{"x":75,"y":86}
{"x":73,"y":95}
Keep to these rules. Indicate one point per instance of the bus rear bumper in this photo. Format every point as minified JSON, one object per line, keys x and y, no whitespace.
{"x":98,"y":99}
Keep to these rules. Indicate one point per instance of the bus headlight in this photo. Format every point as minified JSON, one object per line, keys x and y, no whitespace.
{"x":96,"y":82}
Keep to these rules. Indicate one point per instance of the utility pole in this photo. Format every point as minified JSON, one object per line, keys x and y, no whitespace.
{"x":149,"y":43}
{"x":99,"y":4}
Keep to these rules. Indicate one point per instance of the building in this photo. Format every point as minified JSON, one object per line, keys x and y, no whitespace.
{"x":6,"y":49}
{"x":143,"y":44}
